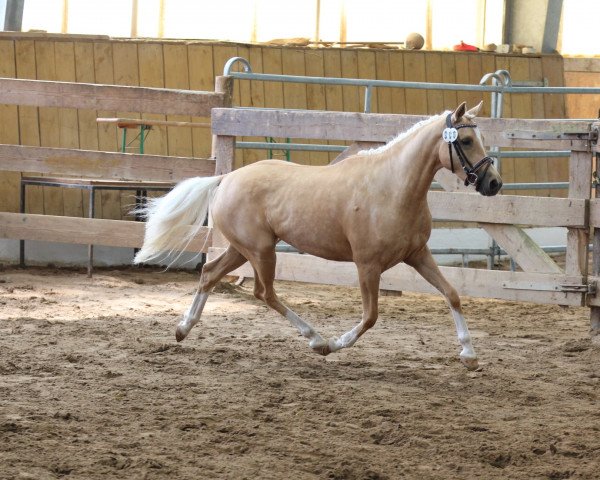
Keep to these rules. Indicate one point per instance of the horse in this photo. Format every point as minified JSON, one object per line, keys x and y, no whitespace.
{"x":370,"y":208}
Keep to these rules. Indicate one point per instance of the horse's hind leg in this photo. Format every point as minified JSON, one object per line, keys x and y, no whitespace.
{"x":424,"y":263}
{"x":212,"y":272}
{"x":264,"y":270}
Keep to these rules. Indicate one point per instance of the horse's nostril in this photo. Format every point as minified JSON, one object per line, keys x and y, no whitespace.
{"x":494,"y":185}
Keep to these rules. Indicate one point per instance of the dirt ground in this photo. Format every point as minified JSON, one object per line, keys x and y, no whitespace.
{"x":94,"y":386}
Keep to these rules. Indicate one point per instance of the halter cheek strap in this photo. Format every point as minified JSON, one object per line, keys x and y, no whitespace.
{"x":450,"y":136}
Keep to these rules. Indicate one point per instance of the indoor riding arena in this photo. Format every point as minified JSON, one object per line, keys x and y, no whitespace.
{"x":407,"y":288}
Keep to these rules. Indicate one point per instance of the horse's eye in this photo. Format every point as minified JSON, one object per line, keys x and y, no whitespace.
{"x":466,"y":141}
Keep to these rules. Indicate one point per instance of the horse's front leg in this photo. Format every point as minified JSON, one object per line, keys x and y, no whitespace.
{"x":424,"y":263}
{"x":368,"y":277}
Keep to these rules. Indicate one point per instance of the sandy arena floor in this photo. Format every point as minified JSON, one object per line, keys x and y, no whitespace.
{"x":94,"y":386}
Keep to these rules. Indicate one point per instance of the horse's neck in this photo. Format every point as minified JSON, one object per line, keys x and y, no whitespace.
{"x":415,"y":160}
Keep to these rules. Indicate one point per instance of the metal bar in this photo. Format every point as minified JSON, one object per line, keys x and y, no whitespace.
{"x":91,"y":247}
{"x":368,"y":95}
{"x":22,"y":242}
{"x":268,"y":77}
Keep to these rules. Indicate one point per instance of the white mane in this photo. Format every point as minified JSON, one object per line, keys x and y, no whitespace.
{"x":402,"y":136}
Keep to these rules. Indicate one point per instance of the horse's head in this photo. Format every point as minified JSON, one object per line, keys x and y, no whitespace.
{"x":462,"y":151}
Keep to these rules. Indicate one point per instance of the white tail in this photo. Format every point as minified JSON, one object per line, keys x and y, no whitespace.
{"x":169,"y":218}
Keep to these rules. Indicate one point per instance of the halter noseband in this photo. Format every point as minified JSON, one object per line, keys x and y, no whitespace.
{"x":450,"y":136}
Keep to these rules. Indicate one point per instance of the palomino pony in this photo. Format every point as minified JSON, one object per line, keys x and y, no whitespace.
{"x":370,"y":208}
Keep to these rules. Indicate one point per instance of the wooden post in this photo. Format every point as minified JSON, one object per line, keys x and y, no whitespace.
{"x":223,"y":147}
{"x":580,"y":177}
{"x":223,"y":151}
{"x":595,"y":311}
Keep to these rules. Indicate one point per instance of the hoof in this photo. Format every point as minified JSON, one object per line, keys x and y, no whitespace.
{"x":320,"y":346}
{"x":470,"y":363}
{"x":180,"y":334}
{"x":322,"y":350}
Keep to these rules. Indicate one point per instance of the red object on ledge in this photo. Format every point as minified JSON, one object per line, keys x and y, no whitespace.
{"x":465,"y":47}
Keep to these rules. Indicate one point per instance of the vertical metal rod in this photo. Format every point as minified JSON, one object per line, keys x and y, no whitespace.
{"x":22,"y":242}
{"x":368,"y":93}
{"x":91,"y":247}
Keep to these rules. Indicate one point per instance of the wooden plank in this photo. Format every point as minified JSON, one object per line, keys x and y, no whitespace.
{"x":384,"y":95}
{"x":126,"y":72}
{"x":245,"y":96}
{"x":582,"y":65}
{"x":468,"y":281}
{"x":9,"y":131}
{"x":537,"y":111}
{"x":334,"y":97}
{"x":315,"y":97}
{"x":108,"y":137}
{"x":349,"y":69}
{"x":397,"y":73}
{"x":29,"y":132}
{"x":106,"y":97}
{"x":508,"y":209}
{"x":449,"y":76}
{"x":68,"y":124}
{"x":224,"y":154}
{"x":414,"y":71}
{"x":202,"y":77}
{"x":177,"y":76}
{"x":580,"y":179}
{"x":435,"y":98}
{"x":367,"y":69}
{"x":274,"y":97}
{"x":488,"y":65}
{"x":522,"y":108}
{"x":85,"y":231}
{"x":382,"y":127}
{"x":554,"y":107}
{"x":152,"y":74}
{"x":475,"y":74}
{"x":110,"y":165}
{"x":294,"y":94}
{"x":595,"y":212}
{"x":257,"y":99}
{"x":221,"y":54}
{"x":87,"y":129}
{"x":48,"y":118}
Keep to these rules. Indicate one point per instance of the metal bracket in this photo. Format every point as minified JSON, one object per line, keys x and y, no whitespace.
{"x":588,"y":288}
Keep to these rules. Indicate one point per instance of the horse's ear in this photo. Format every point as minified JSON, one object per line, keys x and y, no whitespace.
{"x":459,"y":112}
{"x":471,"y":114}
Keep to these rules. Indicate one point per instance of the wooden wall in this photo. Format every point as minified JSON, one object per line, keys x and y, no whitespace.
{"x":193,"y":65}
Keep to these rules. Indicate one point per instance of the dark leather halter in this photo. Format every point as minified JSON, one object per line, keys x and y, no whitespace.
{"x":450,"y":136}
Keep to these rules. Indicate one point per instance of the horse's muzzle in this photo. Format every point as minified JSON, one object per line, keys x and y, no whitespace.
{"x":490,"y":185}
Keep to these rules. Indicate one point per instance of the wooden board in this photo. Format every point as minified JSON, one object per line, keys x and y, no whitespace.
{"x":124,"y":166}
{"x":513,"y":286}
{"x":29,"y":132}
{"x":107,"y":97}
{"x":84,"y":231}
{"x":508,"y":209}
{"x":9,"y":131}
{"x":382,"y":127}
{"x":152,"y":74}
{"x":64,"y":57}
